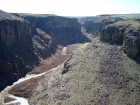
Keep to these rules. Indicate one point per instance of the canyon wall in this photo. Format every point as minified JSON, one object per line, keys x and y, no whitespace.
{"x":25,"y":40}
{"x":123,"y":30}
{"x":126,"y":33}
{"x":96,"y":25}
{"x":63,"y":30}
{"x":21,"y":47}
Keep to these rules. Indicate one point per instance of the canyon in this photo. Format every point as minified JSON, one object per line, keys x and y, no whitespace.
{"x":25,"y":40}
{"x":70,"y":61}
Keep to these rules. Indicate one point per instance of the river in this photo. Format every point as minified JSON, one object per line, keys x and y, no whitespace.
{"x":21,"y":100}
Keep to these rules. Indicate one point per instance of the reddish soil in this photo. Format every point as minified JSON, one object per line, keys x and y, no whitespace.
{"x":24,"y":89}
{"x":8,"y":99}
{"x":51,"y":62}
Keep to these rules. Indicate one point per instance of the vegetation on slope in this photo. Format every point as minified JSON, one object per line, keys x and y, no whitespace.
{"x":97,"y":74}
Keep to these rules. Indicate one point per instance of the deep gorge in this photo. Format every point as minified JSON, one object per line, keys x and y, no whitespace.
{"x":24,"y":39}
{"x":98,"y":58}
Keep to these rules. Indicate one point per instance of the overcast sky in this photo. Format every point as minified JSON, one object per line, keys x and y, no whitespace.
{"x":71,"y":7}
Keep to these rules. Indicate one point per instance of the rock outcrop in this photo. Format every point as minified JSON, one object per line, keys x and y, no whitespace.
{"x":63,"y":30}
{"x":21,"y":47}
{"x":126,"y":33}
{"x":26,"y":39}
{"x":82,"y":20}
{"x":14,"y":30}
{"x":96,"y":25}
{"x":43,"y":44}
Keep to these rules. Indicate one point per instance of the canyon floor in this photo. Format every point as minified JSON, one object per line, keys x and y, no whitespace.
{"x":96,"y":74}
{"x":24,"y":86}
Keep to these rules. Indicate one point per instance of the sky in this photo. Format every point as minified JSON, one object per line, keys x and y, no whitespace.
{"x":71,"y":7}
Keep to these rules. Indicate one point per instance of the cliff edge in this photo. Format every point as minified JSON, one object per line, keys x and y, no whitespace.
{"x":26,"y":39}
{"x":126,"y":33}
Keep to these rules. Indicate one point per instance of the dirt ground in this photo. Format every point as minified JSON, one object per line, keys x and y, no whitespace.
{"x":97,"y":74}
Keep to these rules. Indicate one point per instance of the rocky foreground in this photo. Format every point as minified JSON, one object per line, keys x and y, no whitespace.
{"x":96,"y":74}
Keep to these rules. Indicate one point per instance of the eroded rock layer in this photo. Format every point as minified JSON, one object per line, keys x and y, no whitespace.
{"x":63,"y":30}
{"x":25,"y":40}
{"x":126,"y":33}
{"x":96,"y":24}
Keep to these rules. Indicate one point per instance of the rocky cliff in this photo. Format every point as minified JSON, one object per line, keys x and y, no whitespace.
{"x":26,"y":39}
{"x":14,"y":30}
{"x":82,"y":20}
{"x":126,"y":33}
{"x":96,"y":25}
{"x":21,"y":47}
{"x":63,"y":30}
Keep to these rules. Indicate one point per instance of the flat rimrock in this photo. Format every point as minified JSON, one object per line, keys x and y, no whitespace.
{"x":5,"y":15}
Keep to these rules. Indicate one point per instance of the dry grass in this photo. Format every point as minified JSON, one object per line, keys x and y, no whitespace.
{"x":24,"y":89}
{"x":52,"y":62}
{"x":95,"y":77}
{"x":15,"y":104}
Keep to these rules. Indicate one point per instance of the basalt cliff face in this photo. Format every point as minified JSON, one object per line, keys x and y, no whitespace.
{"x":117,"y":29}
{"x":126,"y":33}
{"x":25,"y":40}
{"x":63,"y":30}
{"x":21,"y":47}
{"x":14,"y":32}
{"x":96,"y":24}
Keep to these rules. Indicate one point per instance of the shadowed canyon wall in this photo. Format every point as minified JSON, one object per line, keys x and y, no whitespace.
{"x":25,"y":40}
{"x":126,"y":33}
{"x":96,"y":24}
{"x":63,"y":30}
{"x":117,"y":29}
